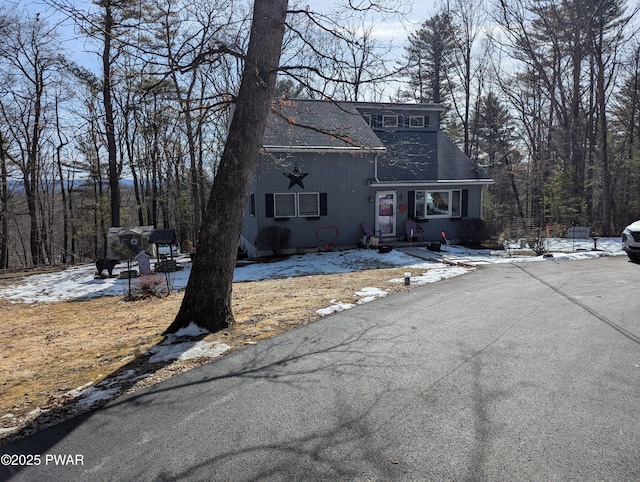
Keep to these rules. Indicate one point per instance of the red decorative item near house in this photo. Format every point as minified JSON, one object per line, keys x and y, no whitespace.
{"x":324,"y":232}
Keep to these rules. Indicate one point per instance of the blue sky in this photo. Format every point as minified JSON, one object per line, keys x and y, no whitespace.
{"x":394,"y":28}
{"x":389,"y":29}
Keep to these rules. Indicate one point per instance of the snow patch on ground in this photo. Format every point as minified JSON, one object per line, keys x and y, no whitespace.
{"x":434,"y":274}
{"x":187,"y":350}
{"x":78,"y":282}
{"x":93,"y":395}
{"x":369,"y":294}
{"x":119,"y":379}
{"x":336,"y":307}
{"x":191,"y":330}
{"x":166,"y":351}
{"x":174,"y":347}
{"x":366,"y":295}
{"x":76,"y":392}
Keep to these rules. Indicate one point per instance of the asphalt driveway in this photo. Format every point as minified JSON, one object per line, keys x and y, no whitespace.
{"x":514,"y":372}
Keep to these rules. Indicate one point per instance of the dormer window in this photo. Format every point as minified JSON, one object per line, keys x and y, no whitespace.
{"x":416,"y":121}
{"x":389,"y":121}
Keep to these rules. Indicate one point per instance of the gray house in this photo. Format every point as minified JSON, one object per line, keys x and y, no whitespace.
{"x":328,"y":167}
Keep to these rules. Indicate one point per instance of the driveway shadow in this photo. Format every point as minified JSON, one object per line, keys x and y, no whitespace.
{"x":294,"y":361}
{"x":78,"y":404}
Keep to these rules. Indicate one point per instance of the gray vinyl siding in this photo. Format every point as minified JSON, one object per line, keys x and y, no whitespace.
{"x":344,"y":179}
{"x":249,"y":228}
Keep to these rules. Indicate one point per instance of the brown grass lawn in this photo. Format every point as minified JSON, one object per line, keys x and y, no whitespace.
{"x":48,"y":349}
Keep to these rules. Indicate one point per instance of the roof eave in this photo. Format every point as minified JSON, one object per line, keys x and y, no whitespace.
{"x":323,"y":149}
{"x":427,"y":183}
{"x":399,"y":106}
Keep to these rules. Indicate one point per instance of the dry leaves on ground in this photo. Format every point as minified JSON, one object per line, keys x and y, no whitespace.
{"x":50,"y":349}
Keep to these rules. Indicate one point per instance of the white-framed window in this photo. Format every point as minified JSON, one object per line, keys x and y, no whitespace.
{"x":442,"y":204}
{"x":389,"y":121}
{"x":284,"y":205}
{"x":416,"y":121}
{"x":291,"y":205}
{"x":308,"y":204}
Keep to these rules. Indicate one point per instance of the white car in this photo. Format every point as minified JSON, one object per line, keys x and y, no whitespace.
{"x":631,"y":241}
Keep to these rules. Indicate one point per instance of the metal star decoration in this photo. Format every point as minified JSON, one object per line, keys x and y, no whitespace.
{"x":296,"y":176}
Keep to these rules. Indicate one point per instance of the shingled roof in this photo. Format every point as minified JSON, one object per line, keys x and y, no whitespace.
{"x":303,"y":125}
{"x":163,"y":236}
{"x":406,"y":156}
{"x":426,"y":157}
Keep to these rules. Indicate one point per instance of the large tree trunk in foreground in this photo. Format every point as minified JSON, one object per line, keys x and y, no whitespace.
{"x":207,"y":299}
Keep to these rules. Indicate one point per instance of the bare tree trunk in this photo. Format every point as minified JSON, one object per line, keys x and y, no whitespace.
{"x":603,"y":148}
{"x":129,"y":143}
{"x":96,"y":225}
{"x":514,"y":186}
{"x":600,"y":58}
{"x":31,"y":191}
{"x":591,"y":143}
{"x":207,"y":299}
{"x":23,"y":255}
{"x":63,"y":189}
{"x":4,"y":208}
{"x":45,"y":209}
{"x":73,"y":226}
{"x":31,"y":173}
{"x":136,"y":190}
{"x":114,"y":172}
{"x":154,"y":167}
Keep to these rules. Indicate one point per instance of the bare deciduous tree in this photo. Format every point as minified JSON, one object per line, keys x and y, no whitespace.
{"x":207,"y":299}
{"x":30,"y":52}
